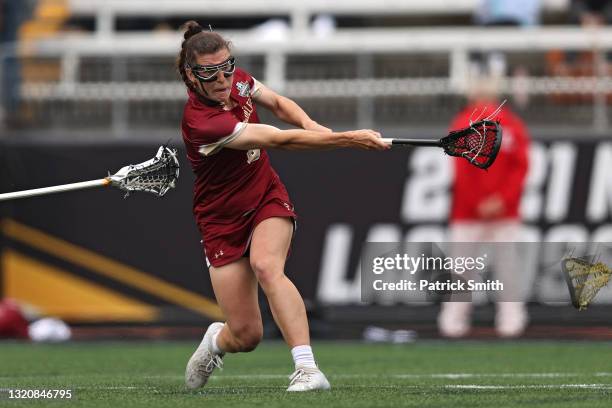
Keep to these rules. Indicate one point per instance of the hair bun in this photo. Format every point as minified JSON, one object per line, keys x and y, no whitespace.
{"x":191,"y":28}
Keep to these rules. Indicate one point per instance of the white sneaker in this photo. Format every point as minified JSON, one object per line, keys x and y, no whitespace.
{"x":203,"y":362}
{"x":511,"y":319}
{"x":308,"y":379}
{"x":454,"y":320}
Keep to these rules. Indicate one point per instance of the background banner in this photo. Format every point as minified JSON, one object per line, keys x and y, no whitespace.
{"x":140,"y":258}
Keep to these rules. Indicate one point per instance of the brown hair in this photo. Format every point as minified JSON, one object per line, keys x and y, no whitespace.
{"x":197,"y":41}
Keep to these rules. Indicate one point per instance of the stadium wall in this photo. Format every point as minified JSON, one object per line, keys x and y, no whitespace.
{"x":94,"y":257}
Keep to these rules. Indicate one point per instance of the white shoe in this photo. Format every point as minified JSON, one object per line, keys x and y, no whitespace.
{"x":308,"y":379}
{"x":203,"y":362}
{"x":511,"y":319}
{"x":454,"y":320}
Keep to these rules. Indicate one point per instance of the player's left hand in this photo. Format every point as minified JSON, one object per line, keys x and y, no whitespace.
{"x":314,"y":126}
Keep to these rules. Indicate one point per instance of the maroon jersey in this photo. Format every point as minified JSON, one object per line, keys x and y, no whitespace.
{"x":234,"y":189}
{"x":229,"y":182}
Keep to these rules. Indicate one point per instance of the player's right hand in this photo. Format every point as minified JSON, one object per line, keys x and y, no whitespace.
{"x":366,"y":139}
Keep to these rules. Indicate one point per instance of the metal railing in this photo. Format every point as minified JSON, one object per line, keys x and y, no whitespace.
{"x":300,"y":12}
{"x":284,"y":66}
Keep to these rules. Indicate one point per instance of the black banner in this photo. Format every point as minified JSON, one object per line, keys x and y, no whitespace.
{"x":343,"y":199}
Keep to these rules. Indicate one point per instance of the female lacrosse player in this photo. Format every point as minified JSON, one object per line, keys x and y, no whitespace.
{"x":241,"y":206}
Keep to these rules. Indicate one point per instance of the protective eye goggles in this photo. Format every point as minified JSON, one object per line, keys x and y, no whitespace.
{"x":208,"y":73}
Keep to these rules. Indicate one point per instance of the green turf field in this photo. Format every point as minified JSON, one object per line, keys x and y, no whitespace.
{"x":426,"y":374}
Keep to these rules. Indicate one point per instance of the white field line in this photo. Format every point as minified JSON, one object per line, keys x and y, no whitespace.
{"x":450,"y":376}
{"x":525,"y":387}
{"x":453,"y":376}
{"x":459,"y":386}
{"x":479,"y":387}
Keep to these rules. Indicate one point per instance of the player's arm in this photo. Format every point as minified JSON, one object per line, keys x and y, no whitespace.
{"x":284,"y":108}
{"x":255,"y":136}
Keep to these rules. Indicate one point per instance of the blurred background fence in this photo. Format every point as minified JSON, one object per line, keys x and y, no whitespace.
{"x":394,"y":65}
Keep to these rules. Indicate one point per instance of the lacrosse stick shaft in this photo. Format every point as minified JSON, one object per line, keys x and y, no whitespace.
{"x":55,"y":189}
{"x":412,"y":142}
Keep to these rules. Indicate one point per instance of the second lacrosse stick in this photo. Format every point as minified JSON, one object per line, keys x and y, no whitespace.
{"x":157,"y":176}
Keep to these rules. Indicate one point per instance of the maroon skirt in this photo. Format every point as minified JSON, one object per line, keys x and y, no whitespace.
{"x":226,"y":241}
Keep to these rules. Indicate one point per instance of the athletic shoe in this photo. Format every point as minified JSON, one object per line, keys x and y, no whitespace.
{"x":454,"y":320}
{"x":203,"y":362}
{"x":511,"y":319}
{"x":308,"y":379}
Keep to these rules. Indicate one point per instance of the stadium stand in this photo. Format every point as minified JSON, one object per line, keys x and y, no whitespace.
{"x":111,"y":66}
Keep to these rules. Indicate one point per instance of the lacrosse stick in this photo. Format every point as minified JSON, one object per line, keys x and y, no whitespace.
{"x":584,"y":279}
{"x":157,"y":176}
{"x":478,"y":143}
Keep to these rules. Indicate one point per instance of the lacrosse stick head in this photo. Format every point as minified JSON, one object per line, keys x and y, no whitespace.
{"x":478,"y":143}
{"x":157,"y":175}
{"x":584,"y":279}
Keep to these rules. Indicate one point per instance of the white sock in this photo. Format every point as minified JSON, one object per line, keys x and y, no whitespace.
{"x":215,"y":346}
{"x":303,"y":357}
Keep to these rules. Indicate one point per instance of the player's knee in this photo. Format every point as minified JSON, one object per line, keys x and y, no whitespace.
{"x":267,"y":269}
{"x":248,"y":336}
